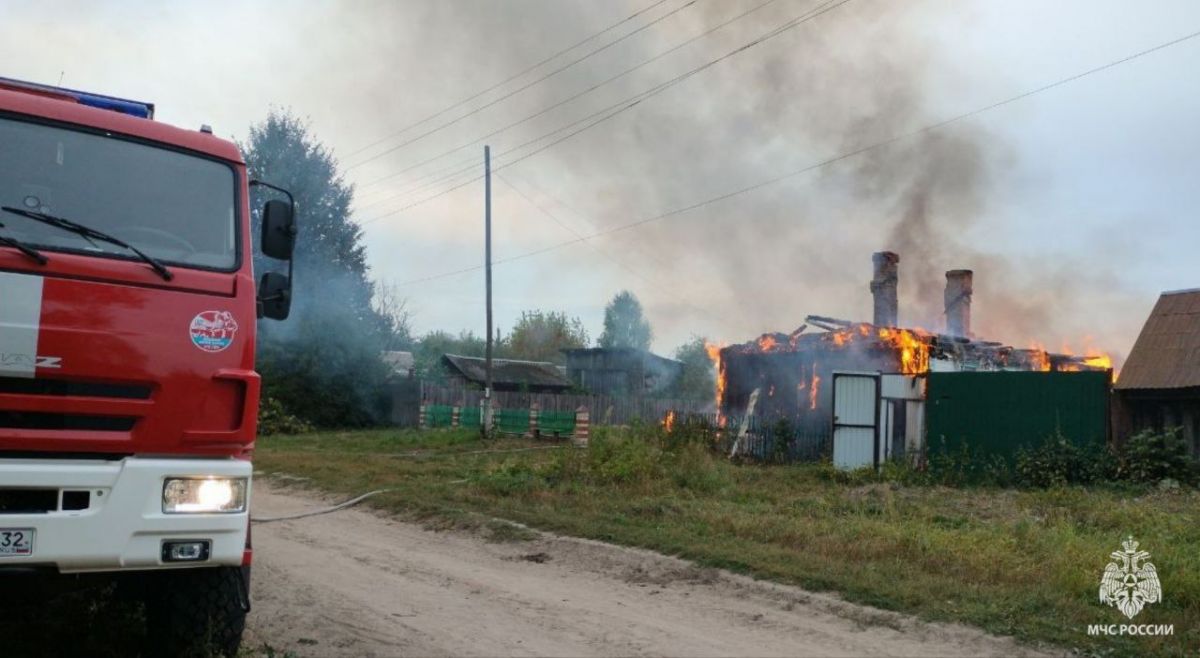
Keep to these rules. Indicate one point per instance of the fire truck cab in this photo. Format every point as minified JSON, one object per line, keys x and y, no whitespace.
{"x":128,"y":396}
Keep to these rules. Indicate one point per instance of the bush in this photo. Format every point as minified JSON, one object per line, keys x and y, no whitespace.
{"x":1146,"y":458}
{"x":961,"y":467}
{"x":695,"y":468}
{"x":1058,"y":462}
{"x":779,"y":441}
{"x":325,"y":369}
{"x":274,"y":419}
{"x":1150,"y":457}
{"x":617,"y":459}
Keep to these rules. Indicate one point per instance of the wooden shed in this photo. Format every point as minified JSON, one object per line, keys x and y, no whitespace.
{"x":1159,"y":386}
{"x":621,"y":371}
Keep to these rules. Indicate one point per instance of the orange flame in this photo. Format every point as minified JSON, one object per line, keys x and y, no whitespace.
{"x":912,"y":345}
{"x":816,"y":387}
{"x":669,"y":421}
{"x":714,"y":354}
{"x":914,"y":351}
{"x":1039,"y":359}
{"x":1091,"y":358}
{"x":1096,"y":358}
{"x":766,"y":343}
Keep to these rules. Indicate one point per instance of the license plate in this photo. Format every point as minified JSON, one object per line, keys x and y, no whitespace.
{"x":16,"y":541}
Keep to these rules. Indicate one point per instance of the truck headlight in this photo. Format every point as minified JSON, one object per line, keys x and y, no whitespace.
{"x":204,"y":495}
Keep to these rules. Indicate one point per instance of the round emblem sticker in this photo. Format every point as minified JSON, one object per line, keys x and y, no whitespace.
{"x":213,"y":331}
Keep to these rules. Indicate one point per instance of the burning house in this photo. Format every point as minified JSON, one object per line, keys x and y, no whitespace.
{"x":794,"y":373}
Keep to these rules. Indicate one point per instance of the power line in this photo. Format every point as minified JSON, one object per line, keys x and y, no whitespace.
{"x":470,"y":166}
{"x":506,"y":164}
{"x":574,"y":96}
{"x":823,"y":163}
{"x":572,"y":231}
{"x":645,"y":255}
{"x":620,"y":106}
{"x":508,"y":79}
{"x":628,"y":103}
{"x":520,"y":89}
{"x":614,"y":259}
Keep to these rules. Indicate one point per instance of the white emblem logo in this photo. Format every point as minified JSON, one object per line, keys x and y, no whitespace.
{"x":1128,"y":585}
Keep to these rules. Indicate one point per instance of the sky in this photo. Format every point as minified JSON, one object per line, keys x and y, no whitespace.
{"x":1074,"y":205}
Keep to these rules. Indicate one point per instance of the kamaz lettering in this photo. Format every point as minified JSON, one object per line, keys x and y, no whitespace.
{"x":9,"y":360}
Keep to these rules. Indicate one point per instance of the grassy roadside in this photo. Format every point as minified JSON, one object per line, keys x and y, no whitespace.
{"x":1023,"y":563}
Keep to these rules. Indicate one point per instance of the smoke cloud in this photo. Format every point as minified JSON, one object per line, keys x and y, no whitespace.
{"x":859,"y":74}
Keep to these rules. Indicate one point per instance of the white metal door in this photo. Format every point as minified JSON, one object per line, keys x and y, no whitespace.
{"x":855,"y":420}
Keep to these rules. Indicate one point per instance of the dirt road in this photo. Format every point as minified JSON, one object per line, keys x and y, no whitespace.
{"x":355,"y":583}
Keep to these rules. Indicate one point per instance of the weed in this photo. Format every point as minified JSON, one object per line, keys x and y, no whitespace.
{"x":1021,"y":562}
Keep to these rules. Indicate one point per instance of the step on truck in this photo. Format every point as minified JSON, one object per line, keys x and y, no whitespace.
{"x":128,"y":396}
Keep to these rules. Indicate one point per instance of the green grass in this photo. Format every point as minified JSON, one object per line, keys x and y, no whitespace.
{"x":1022,"y":563}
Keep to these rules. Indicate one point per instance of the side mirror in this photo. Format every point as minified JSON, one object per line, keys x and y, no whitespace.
{"x":274,"y":296}
{"x":278,"y":229}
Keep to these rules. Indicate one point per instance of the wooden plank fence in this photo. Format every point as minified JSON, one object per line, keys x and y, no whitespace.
{"x":766,"y":439}
{"x":605,"y":410}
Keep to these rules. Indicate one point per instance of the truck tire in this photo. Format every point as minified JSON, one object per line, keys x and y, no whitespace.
{"x":198,"y":612}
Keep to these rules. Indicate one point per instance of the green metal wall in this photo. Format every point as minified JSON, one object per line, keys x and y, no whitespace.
{"x":998,"y":412}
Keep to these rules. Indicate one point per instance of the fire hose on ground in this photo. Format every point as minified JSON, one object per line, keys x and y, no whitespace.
{"x":327,"y":510}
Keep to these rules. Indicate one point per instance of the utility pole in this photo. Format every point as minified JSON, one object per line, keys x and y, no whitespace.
{"x":486,"y":430}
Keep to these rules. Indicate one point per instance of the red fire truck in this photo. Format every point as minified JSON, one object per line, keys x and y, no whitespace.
{"x":128,"y":397}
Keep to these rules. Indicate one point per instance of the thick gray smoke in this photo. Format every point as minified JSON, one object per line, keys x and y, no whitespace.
{"x":858,"y":75}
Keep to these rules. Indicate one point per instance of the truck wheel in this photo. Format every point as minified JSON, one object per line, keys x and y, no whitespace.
{"x":198,"y":612}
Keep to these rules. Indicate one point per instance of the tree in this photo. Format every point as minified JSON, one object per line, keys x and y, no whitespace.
{"x":539,"y":336}
{"x":698,"y":380}
{"x":624,"y":324}
{"x":396,"y":317}
{"x":323,"y":363}
{"x":281,"y":151}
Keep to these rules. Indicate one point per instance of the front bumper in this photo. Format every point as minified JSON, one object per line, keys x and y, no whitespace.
{"x":124,"y":526}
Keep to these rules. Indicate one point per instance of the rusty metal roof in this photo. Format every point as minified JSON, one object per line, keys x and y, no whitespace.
{"x":1167,"y":352}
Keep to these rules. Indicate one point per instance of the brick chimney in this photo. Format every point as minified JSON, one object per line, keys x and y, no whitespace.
{"x":958,"y":302}
{"x":883,"y":287}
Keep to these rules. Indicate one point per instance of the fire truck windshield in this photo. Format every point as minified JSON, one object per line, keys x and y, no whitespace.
{"x":176,"y":207}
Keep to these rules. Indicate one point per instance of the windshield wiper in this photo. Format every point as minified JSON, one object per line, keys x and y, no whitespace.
{"x":23,"y":248}
{"x":91,"y":233}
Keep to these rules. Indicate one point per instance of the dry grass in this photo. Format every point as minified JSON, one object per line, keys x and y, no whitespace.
{"x":1023,"y":563}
